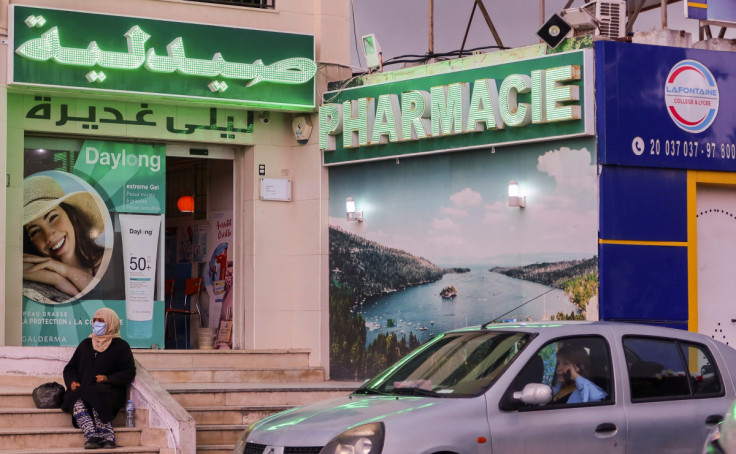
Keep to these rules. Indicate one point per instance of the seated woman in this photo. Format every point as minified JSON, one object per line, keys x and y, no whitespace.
{"x":97,"y":378}
{"x":571,"y":385}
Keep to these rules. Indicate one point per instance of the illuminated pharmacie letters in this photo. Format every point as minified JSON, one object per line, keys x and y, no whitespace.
{"x":453,"y":109}
{"x":449,"y":108}
{"x":414,"y":114}
{"x":484,"y":107}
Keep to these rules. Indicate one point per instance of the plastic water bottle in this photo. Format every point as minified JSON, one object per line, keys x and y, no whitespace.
{"x":129,"y":414}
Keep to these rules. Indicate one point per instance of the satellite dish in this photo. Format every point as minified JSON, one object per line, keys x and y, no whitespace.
{"x":554,"y":31}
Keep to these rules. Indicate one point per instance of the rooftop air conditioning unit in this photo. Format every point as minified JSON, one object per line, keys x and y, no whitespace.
{"x":603,"y":18}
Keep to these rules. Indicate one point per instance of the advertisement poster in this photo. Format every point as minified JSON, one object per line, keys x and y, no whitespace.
{"x":199,"y":250}
{"x":91,"y":225}
{"x":440,"y":248}
{"x":185,"y":238}
{"x":218,"y":278}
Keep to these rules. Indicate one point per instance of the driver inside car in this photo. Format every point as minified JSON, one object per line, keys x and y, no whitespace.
{"x":571,"y":384}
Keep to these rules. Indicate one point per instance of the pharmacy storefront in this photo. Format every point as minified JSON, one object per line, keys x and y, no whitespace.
{"x":123,"y":134}
{"x":490,"y":193}
{"x":433,"y":238}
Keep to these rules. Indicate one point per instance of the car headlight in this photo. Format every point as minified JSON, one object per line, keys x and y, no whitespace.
{"x":242,"y":439}
{"x":365,"y":439}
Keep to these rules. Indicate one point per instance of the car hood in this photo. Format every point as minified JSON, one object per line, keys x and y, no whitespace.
{"x":316,"y":424}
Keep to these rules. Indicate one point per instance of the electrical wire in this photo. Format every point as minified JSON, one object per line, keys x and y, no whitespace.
{"x":355,"y":32}
{"x":342,"y":87}
{"x":411,"y":58}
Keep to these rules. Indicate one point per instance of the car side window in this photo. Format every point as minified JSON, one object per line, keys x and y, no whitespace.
{"x":665,"y":369}
{"x":577,"y":369}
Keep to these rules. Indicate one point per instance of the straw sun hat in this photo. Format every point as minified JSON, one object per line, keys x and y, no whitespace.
{"x":41,"y":194}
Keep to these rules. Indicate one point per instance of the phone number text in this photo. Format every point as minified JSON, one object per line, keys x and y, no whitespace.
{"x":691,"y":149}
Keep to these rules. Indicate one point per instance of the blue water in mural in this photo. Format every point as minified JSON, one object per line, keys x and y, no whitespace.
{"x":482,"y":297}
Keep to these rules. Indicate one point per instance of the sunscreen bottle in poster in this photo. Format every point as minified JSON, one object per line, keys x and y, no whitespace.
{"x":140,"y":234}
{"x":217,"y":273}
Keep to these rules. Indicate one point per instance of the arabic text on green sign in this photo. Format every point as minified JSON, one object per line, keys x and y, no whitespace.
{"x":103,"y":52}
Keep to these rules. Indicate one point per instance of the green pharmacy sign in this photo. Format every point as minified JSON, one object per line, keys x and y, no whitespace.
{"x":252,"y":68}
{"x":530,"y":100}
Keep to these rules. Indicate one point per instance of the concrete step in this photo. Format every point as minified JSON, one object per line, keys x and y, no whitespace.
{"x":40,"y":438}
{"x":16,"y":398}
{"x":28,"y":381}
{"x":78,"y":450}
{"x":234,"y":375}
{"x":215,"y":449}
{"x":191,"y":395}
{"x":239,"y":359}
{"x":27,"y":418}
{"x":16,"y":390}
{"x":232,"y":415}
{"x":218,"y":434}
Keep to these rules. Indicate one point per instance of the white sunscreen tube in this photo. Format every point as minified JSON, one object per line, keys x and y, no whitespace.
{"x":140,"y":246}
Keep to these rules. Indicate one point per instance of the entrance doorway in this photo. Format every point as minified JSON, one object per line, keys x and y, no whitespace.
{"x":716,"y":255}
{"x":199,"y":249}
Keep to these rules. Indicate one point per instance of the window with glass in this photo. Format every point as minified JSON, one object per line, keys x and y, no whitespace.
{"x":662,"y":369}
{"x":577,"y":369}
{"x":458,"y":364}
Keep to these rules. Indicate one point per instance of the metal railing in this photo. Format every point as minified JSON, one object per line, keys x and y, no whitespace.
{"x":262,"y":4}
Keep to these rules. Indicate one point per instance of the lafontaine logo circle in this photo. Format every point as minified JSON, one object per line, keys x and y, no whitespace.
{"x":691,"y":95}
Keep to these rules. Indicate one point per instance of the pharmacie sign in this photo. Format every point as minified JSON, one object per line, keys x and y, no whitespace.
{"x":523,"y":101}
{"x":252,"y":68}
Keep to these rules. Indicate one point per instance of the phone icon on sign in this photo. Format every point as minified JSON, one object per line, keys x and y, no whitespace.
{"x":637,"y":146}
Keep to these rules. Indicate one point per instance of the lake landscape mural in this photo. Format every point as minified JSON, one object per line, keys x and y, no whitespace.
{"x":439,"y":248}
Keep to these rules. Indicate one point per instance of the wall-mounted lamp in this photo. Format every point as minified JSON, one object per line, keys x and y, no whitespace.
{"x":185,"y":204}
{"x":350,"y":208}
{"x":515,"y":199}
{"x":372,"y":52}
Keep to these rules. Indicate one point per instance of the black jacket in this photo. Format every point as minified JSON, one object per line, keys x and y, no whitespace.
{"x":109,"y":397}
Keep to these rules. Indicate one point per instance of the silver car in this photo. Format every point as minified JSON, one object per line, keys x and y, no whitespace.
{"x":547,"y":387}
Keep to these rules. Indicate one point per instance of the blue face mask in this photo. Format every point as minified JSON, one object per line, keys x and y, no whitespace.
{"x":99,"y":328}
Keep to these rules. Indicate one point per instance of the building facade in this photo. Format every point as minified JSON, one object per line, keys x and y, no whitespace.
{"x":592,"y":180}
{"x":144,"y":105}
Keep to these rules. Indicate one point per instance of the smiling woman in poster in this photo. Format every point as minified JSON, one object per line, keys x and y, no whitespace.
{"x":61,"y":230}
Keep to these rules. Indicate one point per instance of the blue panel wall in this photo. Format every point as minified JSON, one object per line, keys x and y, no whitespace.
{"x":649,"y":137}
{"x":641,"y":204}
{"x":643,"y":283}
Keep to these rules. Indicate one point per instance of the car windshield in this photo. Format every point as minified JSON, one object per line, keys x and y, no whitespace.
{"x":457,"y":364}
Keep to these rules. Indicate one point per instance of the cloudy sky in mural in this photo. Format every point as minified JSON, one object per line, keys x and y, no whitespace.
{"x":451,"y":208}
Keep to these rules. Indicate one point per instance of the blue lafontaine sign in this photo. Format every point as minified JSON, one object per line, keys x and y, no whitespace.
{"x":665,"y":107}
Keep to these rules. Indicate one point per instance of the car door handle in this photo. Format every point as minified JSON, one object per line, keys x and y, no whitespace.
{"x":712,"y":420}
{"x":605,"y":430}
{"x":606,"y":427}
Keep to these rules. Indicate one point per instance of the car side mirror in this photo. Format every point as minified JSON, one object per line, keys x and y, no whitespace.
{"x":534,"y":394}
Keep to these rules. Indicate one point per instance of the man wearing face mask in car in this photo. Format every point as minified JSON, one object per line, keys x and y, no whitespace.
{"x":571,"y":384}
{"x":97,"y":379}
